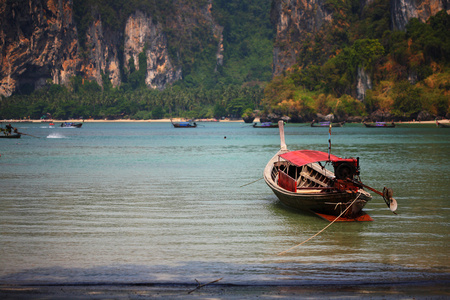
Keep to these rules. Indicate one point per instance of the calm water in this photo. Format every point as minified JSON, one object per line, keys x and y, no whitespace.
{"x":147,"y":203}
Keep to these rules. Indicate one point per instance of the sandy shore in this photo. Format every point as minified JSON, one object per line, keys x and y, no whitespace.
{"x":120,"y":120}
{"x":176,"y":120}
{"x":427,"y":290}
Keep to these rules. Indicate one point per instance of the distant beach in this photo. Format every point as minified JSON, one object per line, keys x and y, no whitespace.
{"x":176,"y":120}
{"x":119,"y":120}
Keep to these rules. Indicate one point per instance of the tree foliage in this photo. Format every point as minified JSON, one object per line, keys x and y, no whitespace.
{"x":88,"y":100}
{"x":409,"y":70}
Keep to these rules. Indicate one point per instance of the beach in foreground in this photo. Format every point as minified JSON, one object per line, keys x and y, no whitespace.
{"x":222,"y":291}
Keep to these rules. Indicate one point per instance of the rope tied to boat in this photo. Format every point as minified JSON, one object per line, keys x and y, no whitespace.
{"x":345,"y":210}
{"x":252,"y":182}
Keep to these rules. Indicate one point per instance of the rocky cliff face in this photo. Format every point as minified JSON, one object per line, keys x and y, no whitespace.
{"x":298,"y":21}
{"x":39,"y":42}
{"x":363,"y":83}
{"x":403,"y":10}
{"x":143,"y":34}
{"x":102,"y":54}
{"x":295,"y":21}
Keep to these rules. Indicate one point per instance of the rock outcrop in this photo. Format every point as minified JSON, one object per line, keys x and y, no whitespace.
{"x":363,"y":83}
{"x":295,"y":21}
{"x":403,"y":10}
{"x":142,"y":34}
{"x":102,"y":55}
{"x":38,"y":41}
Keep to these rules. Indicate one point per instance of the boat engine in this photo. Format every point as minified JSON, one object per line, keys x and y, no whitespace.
{"x":346,"y":168}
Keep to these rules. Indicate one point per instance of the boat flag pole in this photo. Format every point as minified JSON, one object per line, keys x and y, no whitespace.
{"x":329,"y":142}
{"x":282,"y":142}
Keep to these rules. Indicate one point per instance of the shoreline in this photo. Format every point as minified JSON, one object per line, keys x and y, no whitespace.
{"x":413,"y":290}
{"x":178,"y":120}
{"x":119,"y":121}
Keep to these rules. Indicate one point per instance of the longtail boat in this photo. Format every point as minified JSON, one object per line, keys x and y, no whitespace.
{"x":300,"y":181}
{"x":443,"y":125}
{"x":326,"y":124}
{"x":10,"y":136}
{"x":266,"y":125}
{"x":380,"y":124}
{"x":184,"y":124}
{"x":9,"y":133}
{"x":71,"y":125}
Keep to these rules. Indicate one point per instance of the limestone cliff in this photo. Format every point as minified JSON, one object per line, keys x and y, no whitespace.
{"x":403,"y":10}
{"x":295,"y":21}
{"x":301,"y":23}
{"x":143,"y":34}
{"x":363,"y":83}
{"x":102,"y":54}
{"x":38,"y":41}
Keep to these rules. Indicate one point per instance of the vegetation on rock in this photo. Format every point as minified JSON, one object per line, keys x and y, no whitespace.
{"x":409,"y":71}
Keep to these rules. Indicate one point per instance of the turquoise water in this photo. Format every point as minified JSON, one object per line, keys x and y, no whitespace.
{"x":147,"y":203}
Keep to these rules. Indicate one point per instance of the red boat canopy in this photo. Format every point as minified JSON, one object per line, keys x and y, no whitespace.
{"x":304,"y":157}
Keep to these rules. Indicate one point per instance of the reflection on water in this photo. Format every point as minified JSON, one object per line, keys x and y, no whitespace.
{"x":144,"y":202}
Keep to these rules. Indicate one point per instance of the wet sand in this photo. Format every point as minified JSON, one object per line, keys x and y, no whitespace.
{"x":419,"y":290}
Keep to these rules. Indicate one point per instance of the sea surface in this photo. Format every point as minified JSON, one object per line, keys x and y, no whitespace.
{"x":145,"y":203}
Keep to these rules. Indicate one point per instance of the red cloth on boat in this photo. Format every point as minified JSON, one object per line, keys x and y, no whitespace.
{"x":287,"y":182}
{"x":304,"y":157}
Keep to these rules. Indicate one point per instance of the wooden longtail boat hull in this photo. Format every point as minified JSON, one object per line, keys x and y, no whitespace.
{"x":70,"y":125}
{"x":11,"y":136}
{"x":379,"y":125}
{"x":327,"y":125}
{"x":315,"y":188}
{"x":271,"y":126}
{"x":443,"y":125}
{"x":330,"y":202}
{"x":184,"y":126}
{"x":265,"y":126}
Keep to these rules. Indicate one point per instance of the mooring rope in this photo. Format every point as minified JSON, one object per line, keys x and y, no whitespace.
{"x":281,"y":253}
{"x":252,"y":182}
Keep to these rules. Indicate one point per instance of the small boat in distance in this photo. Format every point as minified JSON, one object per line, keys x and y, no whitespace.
{"x":71,"y":125}
{"x":379,"y":124}
{"x":442,"y":125}
{"x":10,"y":136}
{"x":266,"y":125}
{"x":184,"y":124}
{"x":10,"y":132}
{"x":300,"y":181}
{"x":326,"y":124}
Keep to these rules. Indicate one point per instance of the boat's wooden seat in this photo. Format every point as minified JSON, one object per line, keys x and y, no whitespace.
{"x":308,"y":191}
